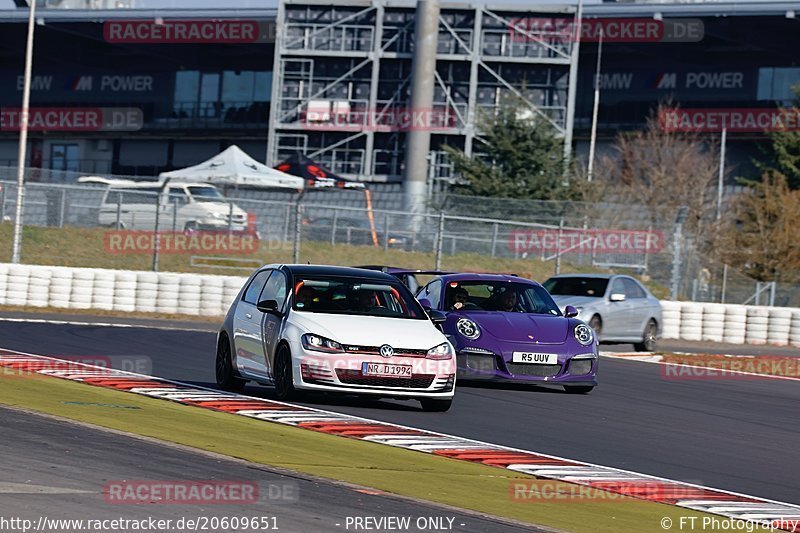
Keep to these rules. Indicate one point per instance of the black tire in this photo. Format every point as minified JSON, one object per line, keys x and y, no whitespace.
{"x":435,"y":406}
{"x":190,"y":227}
{"x":227,"y":378}
{"x":282,"y":375}
{"x":578,"y":389}
{"x":648,"y":343}
{"x":596,"y":324}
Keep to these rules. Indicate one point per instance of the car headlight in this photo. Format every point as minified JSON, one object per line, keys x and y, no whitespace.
{"x":443,"y":351}
{"x":316,"y":343}
{"x":584,"y":334}
{"x":468,"y":328}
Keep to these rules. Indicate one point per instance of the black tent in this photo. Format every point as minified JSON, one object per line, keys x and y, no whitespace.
{"x":315,"y":175}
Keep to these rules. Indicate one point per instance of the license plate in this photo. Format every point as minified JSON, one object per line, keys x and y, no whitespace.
{"x":535,"y":358}
{"x":386,"y":370}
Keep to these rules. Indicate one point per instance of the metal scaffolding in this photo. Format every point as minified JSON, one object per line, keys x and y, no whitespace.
{"x":341,"y":80}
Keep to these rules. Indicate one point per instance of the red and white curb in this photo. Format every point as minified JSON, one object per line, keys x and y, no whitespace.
{"x":696,"y":497}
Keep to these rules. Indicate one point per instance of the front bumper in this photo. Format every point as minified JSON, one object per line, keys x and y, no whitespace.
{"x":578,"y":368}
{"x":343,"y":373}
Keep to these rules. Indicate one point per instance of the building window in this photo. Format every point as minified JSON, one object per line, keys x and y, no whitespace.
{"x":64,"y":157}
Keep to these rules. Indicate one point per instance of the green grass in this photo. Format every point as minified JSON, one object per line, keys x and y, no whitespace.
{"x":83,"y":247}
{"x":461,"y":484}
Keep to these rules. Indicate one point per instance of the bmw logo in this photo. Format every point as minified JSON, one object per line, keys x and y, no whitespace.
{"x":386,"y":351}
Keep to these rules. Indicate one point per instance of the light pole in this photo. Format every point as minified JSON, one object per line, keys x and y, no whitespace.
{"x":595,"y":109}
{"x":721,"y":176}
{"x":23,"y":137}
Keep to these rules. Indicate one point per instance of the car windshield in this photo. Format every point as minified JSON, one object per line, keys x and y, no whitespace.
{"x":206,"y":194}
{"x":353,"y":296}
{"x":501,"y":296}
{"x":577,"y":286}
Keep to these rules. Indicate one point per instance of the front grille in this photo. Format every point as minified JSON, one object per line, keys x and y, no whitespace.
{"x":355,"y":377}
{"x":542,"y":371}
{"x":376,"y":350}
{"x":579,"y":367}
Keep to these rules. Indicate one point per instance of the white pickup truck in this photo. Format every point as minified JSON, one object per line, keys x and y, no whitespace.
{"x":185,"y":206}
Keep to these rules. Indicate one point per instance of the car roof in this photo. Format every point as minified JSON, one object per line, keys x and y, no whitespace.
{"x":131,"y":184}
{"x":470,"y":276}
{"x":592,"y":275}
{"x":331,"y":270}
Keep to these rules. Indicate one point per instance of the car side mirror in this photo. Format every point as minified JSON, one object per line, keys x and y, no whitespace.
{"x":617,"y":297}
{"x":570,"y":312}
{"x":268,"y":306}
{"x":425,"y":303}
{"x":437,"y":317}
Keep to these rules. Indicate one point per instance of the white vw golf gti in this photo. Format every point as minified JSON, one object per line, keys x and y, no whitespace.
{"x":336,"y":329}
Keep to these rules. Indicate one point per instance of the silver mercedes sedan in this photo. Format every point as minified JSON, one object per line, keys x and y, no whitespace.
{"x":619,"y":308}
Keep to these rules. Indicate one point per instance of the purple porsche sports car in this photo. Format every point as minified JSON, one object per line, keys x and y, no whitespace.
{"x":509,"y":328}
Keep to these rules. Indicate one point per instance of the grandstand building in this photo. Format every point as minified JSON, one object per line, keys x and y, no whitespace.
{"x":132,"y":91}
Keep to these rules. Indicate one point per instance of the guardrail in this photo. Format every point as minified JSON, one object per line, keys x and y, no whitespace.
{"x":211,"y":295}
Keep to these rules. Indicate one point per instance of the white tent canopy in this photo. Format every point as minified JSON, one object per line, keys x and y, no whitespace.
{"x":234,"y":168}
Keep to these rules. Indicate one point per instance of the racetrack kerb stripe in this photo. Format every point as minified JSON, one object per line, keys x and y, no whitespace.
{"x":626,"y":483}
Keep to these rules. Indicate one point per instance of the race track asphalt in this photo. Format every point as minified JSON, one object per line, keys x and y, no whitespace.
{"x":58,"y":470}
{"x":740,"y":435}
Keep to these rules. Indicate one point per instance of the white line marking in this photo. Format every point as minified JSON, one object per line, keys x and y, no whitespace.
{"x":477,"y":443}
{"x":98,"y":324}
{"x":706,"y":368}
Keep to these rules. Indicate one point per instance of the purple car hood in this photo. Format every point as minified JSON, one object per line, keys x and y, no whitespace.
{"x":522,"y":327}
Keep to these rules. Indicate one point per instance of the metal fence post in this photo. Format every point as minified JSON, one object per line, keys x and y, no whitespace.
{"x":439,"y":242}
{"x":495,"y":229}
{"x":62,"y":208}
{"x":558,"y":246}
{"x":2,"y":203}
{"x":676,"y":262}
{"x":155,"y":233}
{"x":230,"y":217}
{"x":175,"y":216}
{"x":119,"y":210}
{"x":298,"y":223}
{"x":386,"y":219}
{"x":772,"y":288}
{"x":724,"y":282}
{"x":333,"y":228}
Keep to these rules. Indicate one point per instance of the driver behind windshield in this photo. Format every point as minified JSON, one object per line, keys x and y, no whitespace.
{"x":366,"y":300}
{"x":508,"y":301}
{"x":460,"y":299}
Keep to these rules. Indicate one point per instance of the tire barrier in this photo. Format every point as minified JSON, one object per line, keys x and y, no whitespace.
{"x":211,"y":295}
{"x":117,"y":290}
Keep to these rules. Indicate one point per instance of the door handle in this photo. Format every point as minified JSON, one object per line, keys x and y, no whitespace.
{"x":248,"y":315}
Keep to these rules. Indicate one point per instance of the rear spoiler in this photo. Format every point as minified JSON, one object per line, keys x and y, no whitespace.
{"x":393,"y":271}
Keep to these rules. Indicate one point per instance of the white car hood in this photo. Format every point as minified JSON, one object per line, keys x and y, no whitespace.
{"x":370,"y":330}
{"x":219,"y":207}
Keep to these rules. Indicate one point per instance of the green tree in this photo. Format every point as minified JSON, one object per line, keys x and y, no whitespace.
{"x":783,"y":151}
{"x":520,"y":157}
